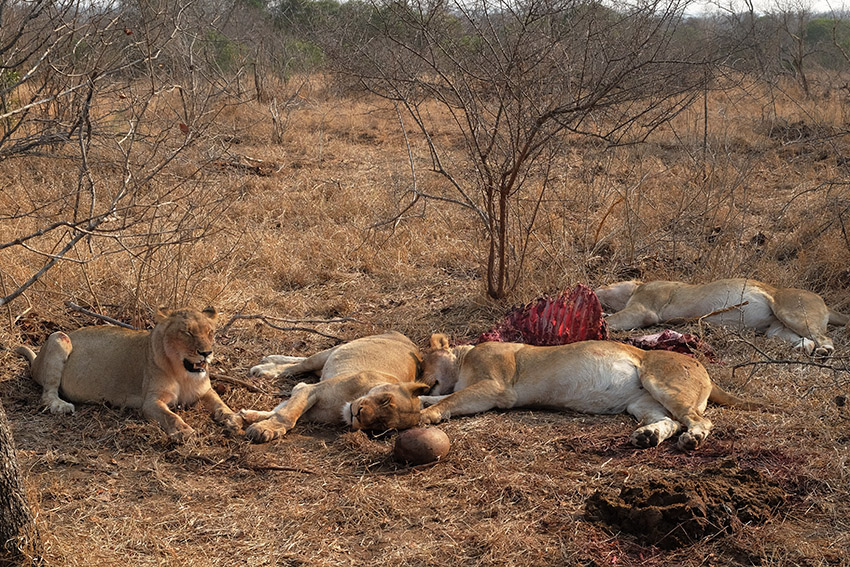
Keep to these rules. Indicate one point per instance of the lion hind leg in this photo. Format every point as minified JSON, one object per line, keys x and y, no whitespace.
{"x":803,"y":318}
{"x":47,"y":371}
{"x":681,"y":386}
{"x":817,"y":346}
{"x":656,"y":425}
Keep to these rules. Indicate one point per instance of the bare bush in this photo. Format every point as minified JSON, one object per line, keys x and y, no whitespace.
{"x":121,"y":93}
{"x":520,"y":82}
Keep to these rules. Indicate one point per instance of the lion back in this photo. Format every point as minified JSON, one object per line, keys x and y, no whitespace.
{"x":107,"y":364}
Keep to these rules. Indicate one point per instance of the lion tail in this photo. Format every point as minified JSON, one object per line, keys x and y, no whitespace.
{"x":836,"y":318}
{"x":720,"y":396}
{"x":26,"y":352}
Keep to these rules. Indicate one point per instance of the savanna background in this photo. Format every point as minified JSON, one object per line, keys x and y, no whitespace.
{"x":322,"y":171}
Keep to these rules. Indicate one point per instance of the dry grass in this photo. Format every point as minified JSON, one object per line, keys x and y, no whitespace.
{"x":767,"y":200}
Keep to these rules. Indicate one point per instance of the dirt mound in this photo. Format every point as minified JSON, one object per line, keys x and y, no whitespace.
{"x":678,"y":511}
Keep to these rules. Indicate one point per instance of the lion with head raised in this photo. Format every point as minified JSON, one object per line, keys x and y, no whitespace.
{"x":149,"y":370}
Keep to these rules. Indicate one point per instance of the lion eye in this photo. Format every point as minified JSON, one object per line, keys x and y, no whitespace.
{"x":187,"y":334}
{"x":385,"y":401}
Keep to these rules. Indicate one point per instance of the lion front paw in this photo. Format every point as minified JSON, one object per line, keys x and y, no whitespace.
{"x":428,"y":416}
{"x":233,"y":422}
{"x":265,"y":431}
{"x":248,"y":416}
{"x":182,"y":435}
{"x":645,"y":438}
{"x":59,"y":406}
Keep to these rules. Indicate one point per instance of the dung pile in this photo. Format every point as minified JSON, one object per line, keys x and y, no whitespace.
{"x":676,"y":511}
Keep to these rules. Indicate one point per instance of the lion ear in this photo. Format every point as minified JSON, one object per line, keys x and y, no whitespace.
{"x":210,"y":312}
{"x":439,"y":341}
{"x":417,"y":388}
{"x":161,"y":314}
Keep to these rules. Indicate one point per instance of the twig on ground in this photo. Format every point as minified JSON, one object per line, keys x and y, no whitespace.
{"x":276,"y":468}
{"x":106,"y":318}
{"x":247,"y":385}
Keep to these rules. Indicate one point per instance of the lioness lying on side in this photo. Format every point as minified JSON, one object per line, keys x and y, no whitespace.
{"x":666,"y":391}
{"x":794,"y":315}
{"x":151,"y":370}
{"x":384,"y":367}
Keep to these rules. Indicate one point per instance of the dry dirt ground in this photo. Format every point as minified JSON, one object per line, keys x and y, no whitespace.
{"x":521,"y":487}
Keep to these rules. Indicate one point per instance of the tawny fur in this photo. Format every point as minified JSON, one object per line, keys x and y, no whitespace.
{"x":384,"y":366}
{"x":797,"y":316}
{"x":667,"y":392}
{"x":150,"y":370}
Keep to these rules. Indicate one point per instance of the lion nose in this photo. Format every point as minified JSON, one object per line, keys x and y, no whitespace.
{"x":205,"y":354}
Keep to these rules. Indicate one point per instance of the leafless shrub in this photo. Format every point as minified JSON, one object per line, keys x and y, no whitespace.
{"x":519,"y":82}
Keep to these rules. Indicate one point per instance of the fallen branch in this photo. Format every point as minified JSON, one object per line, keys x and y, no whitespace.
{"x":106,"y":318}
{"x":276,"y":468}
{"x":247,"y":385}
{"x":267,"y":319}
{"x":707,"y":315}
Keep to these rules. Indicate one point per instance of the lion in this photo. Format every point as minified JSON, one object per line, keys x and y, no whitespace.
{"x":384,"y":367}
{"x":797,"y":316}
{"x":148,"y":370}
{"x":666,"y":391}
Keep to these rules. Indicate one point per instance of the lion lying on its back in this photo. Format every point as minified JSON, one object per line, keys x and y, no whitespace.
{"x":151,"y":370}
{"x":794,"y":315}
{"x":382,"y":367}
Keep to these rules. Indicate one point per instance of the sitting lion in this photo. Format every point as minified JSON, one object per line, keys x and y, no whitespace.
{"x":666,"y":391}
{"x":794,"y":315}
{"x":382,"y":366}
{"x":151,"y":370}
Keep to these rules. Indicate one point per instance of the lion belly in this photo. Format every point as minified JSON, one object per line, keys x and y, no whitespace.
{"x":105,"y":365}
{"x":692,"y":302}
{"x":594,"y":377}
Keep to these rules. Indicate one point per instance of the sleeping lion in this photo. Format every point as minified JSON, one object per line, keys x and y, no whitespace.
{"x":384,"y":367}
{"x":151,"y":370}
{"x":666,"y":391}
{"x":797,"y":316}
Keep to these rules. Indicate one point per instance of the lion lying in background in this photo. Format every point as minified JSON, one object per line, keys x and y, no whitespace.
{"x":666,"y":391}
{"x":381,"y":367}
{"x":797,"y":316}
{"x":151,"y":370}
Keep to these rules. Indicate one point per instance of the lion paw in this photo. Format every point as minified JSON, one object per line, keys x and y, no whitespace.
{"x":429,"y":417}
{"x":264,"y":371}
{"x":247,"y":416}
{"x":182,"y":435}
{"x":645,"y":438}
{"x":232,"y":422}
{"x":264,"y":431}
{"x":823,"y":351}
{"x":59,"y":406}
{"x":689,"y":441}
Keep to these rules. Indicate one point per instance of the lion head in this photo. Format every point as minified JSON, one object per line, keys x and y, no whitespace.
{"x":388,"y":406}
{"x":186,"y":337}
{"x":440,"y":366}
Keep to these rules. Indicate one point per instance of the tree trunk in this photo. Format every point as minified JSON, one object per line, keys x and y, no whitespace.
{"x":19,"y":542}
